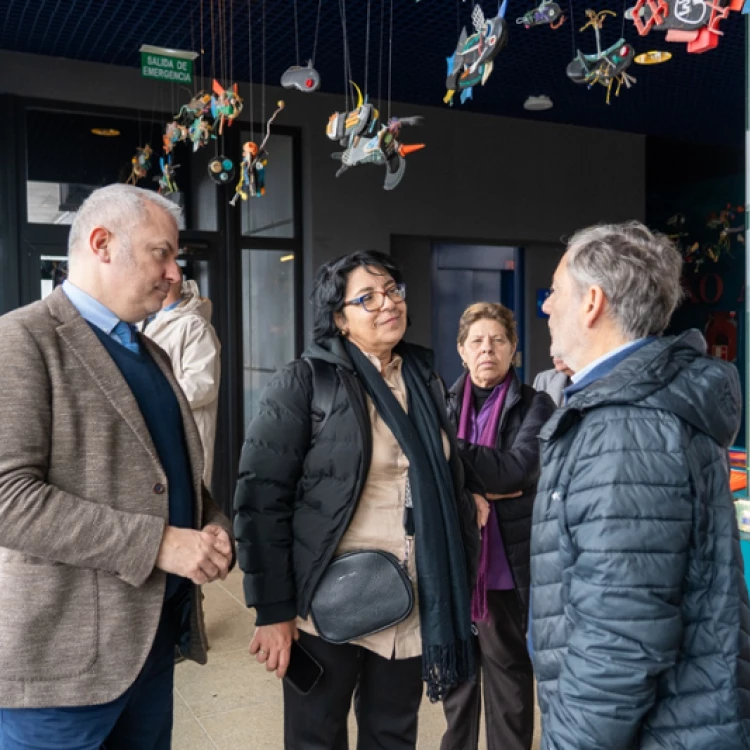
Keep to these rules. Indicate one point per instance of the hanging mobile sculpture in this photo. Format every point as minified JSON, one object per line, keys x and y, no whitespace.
{"x":472,"y":62}
{"x":695,"y":24}
{"x":253,"y":167}
{"x":141,"y":164}
{"x":357,"y":130}
{"x":546,"y":13}
{"x":303,"y":77}
{"x":607,"y":67}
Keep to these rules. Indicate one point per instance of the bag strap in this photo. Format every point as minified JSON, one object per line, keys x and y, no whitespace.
{"x":324,"y":391}
{"x":325,"y":381}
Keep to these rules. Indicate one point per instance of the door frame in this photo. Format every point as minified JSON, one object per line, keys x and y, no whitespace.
{"x":519,"y":301}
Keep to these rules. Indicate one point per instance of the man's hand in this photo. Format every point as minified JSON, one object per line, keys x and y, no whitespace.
{"x":273,"y":644}
{"x":483,"y":510}
{"x":197,"y":555}
{"x":222,"y":543}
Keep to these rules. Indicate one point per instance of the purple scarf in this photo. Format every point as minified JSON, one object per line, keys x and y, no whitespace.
{"x":481,"y":429}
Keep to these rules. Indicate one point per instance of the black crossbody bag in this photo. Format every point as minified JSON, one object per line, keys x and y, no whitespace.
{"x":365,"y":591}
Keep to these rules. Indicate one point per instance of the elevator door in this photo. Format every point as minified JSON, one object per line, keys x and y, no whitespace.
{"x":462,"y":275}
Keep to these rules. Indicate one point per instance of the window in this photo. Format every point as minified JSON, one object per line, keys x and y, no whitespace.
{"x":268,"y":320}
{"x":272,"y":215}
{"x":54,"y":270}
{"x":67,"y":161}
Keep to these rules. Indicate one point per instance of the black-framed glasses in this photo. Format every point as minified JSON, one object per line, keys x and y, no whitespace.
{"x":374,"y":301}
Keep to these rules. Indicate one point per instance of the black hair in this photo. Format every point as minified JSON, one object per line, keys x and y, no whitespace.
{"x":329,"y":287}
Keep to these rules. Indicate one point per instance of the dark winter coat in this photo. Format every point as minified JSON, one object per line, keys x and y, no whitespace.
{"x":296,"y":496}
{"x":640,"y":615}
{"x":512,"y":465}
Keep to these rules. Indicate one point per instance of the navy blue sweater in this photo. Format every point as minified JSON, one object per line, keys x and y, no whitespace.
{"x":161,"y":412}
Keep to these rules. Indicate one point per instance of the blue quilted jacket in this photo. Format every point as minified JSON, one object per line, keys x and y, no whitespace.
{"x":641,"y":625}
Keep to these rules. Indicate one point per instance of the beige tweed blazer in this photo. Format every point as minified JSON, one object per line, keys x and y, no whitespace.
{"x":82,"y":511}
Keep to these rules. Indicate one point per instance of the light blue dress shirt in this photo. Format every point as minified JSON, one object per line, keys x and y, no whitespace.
{"x":102,"y":317}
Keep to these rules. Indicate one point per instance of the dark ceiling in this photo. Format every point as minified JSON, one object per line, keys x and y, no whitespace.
{"x":699,"y":98}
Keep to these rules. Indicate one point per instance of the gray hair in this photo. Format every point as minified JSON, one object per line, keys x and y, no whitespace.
{"x":638,"y":270}
{"x":116,"y":207}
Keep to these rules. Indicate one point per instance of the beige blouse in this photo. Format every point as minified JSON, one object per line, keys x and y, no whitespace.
{"x":378,"y":522}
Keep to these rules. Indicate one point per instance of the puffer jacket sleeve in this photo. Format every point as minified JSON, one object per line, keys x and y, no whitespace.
{"x":626,"y":520}
{"x":516,"y":467}
{"x":271,"y":464}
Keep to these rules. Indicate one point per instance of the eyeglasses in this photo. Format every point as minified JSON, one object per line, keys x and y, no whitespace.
{"x":374,"y":301}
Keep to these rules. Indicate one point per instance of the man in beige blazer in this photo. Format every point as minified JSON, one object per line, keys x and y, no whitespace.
{"x":106,"y":529}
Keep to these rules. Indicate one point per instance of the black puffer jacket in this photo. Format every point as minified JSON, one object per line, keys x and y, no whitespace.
{"x":512,"y":465}
{"x":295,"y":497}
{"x":640,"y":620}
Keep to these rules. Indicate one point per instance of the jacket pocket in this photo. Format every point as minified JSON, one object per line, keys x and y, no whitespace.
{"x":48,"y":621}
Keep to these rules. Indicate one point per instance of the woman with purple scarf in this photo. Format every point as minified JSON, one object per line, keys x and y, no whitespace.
{"x":498,"y":419}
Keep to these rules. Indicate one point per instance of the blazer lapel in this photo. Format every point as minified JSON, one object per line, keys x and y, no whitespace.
{"x":84,"y":344}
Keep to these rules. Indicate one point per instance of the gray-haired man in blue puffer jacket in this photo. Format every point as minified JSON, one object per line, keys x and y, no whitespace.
{"x":640,"y":619}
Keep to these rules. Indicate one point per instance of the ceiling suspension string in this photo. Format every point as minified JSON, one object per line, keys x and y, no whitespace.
{"x":263,"y":68}
{"x":390,"y":60}
{"x":380,"y":57}
{"x":367,"y":51}
{"x":250,"y":66}
{"x":296,"y":32}
{"x":317,"y":29}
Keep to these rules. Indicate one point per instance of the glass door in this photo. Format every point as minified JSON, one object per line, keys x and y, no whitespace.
{"x":270,"y":267}
{"x":268,"y":320}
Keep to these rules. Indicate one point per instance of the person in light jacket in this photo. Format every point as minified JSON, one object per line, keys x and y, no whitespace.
{"x":554,"y":382}
{"x":183,"y":329}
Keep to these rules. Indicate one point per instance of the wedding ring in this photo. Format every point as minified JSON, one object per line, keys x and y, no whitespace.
{"x":261,"y":652}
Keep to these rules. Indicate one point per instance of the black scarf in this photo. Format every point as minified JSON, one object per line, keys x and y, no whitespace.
{"x":442,"y":579}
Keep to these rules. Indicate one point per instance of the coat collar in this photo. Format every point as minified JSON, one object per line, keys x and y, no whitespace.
{"x":511,"y":399}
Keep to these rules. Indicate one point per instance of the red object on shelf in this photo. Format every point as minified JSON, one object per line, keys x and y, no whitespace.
{"x":721,"y":335}
{"x":737,"y":480}
{"x":737,"y":458}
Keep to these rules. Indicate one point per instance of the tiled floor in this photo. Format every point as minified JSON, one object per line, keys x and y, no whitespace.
{"x":232,"y":703}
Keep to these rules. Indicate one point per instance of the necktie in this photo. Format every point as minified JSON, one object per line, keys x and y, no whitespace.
{"x":125,"y":333}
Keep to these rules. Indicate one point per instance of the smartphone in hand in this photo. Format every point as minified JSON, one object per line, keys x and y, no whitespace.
{"x":303,"y":671}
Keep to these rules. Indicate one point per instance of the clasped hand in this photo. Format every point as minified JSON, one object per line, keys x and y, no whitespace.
{"x":201,"y":556}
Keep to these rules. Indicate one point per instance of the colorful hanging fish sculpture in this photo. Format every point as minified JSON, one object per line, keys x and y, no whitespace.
{"x":607,"y":67}
{"x":472,"y":62}
{"x":252,"y":182}
{"x":356,"y":131}
{"x":141,"y":164}
{"x":167,"y":185}
{"x":226,"y":105}
{"x":546,"y":12}
{"x":694,"y":22}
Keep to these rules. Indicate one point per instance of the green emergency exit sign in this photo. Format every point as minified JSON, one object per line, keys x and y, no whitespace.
{"x":166,"y":68}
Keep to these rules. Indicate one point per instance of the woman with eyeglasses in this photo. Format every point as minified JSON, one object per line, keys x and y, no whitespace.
{"x":356,"y":533}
